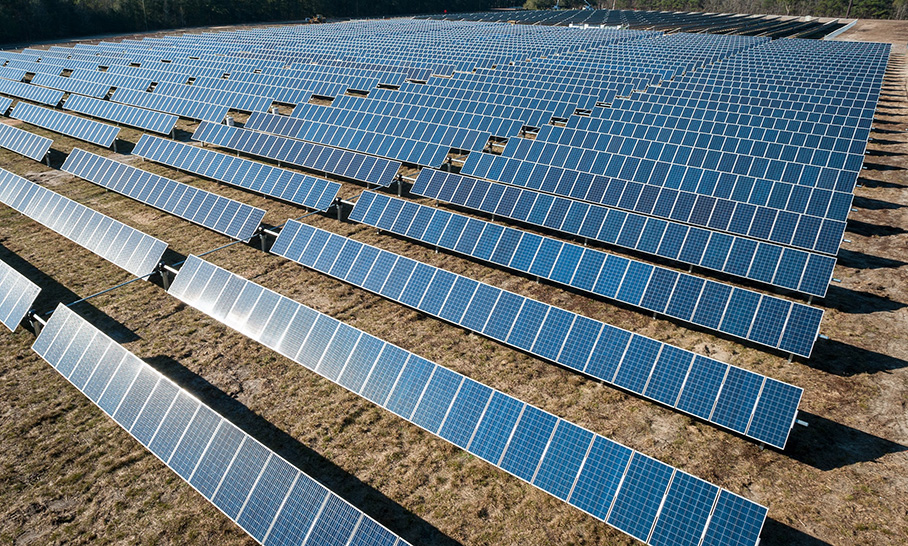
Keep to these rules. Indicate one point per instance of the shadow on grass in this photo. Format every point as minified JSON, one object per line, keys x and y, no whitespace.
{"x":845,"y":360}
{"x":882,"y":167}
{"x":855,"y":302}
{"x":365,"y":497}
{"x":52,"y":293}
{"x":776,"y":533}
{"x":859,"y":260}
{"x":868,"y":183}
{"x":874,"y":204}
{"x":872,"y":230}
{"x":827,"y":445}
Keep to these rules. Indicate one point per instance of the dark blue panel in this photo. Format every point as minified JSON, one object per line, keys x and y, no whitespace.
{"x":683,"y":516}
{"x":579,"y":343}
{"x":360,"y":362}
{"x":640,"y":496}
{"x":370,"y":533}
{"x":637,"y":363}
{"x":527,"y":324}
{"x":436,"y":399}
{"x":384,"y":374}
{"x":501,"y":320}
{"x":417,"y":285}
{"x":607,"y":355}
{"x":566,"y":264}
{"x":702,"y":386}
{"x":765,"y":261}
{"x":735,"y":521}
{"x":611,"y":275}
{"x":660,"y":288}
{"x":772,"y":418}
{"x":562,"y":460}
{"x":299,"y":511}
{"x":480,"y":307}
{"x":801,"y":329}
{"x":335,"y":524}
{"x":668,"y":375}
{"x":557,"y":324}
{"x":410,"y":386}
{"x":465,"y":413}
{"x":599,"y":479}
{"x":496,"y":426}
{"x":740,"y":312}
{"x":770,"y":319}
{"x":452,"y":291}
{"x":267,"y":497}
{"x":685,"y":297}
{"x":737,"y":399}
{"x":528,"y":443}
{"x":712,"y":303}
{"x":634,"y":283}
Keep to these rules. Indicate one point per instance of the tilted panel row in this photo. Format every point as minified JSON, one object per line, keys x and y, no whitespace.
{"x":630,"y":491}
{"x":764,"y":319}
{"x":41,"y":95}
{"x":235,"y":101}
{"x":79,"y":87}
{"x":678,"y":201}
{"x":5,"y":103}
{"x":294,"y":187}
{"x":404,"y":149}
{"x":17,"y":295}
{"x":172,"y":105}
{"x":23,"y":142}
{"x":226,"y":216}
{"x":344,"y":163}
{"x":148,"y":120}
{"x":114,"y":241}
{"x":738,"y":256}
{"x":67,"y":124}
{"x":256,"y":488}
{"x":711,"y":390}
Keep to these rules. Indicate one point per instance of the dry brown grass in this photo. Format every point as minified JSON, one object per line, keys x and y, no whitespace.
{"x":69,"y":475}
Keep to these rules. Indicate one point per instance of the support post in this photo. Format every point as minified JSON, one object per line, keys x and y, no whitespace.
{"x":164,"y":271}
{"x":47,"y":158}
{"x":400,"y":186}
{"x":113,"y":146}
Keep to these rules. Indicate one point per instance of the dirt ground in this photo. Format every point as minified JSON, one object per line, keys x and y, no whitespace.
{"x":70,"y":475}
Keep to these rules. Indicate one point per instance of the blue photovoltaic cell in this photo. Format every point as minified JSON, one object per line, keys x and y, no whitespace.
{"x":67,"y":124}
{"x":594,"y":348}
{"x":244,"y":479}
{"x":23,"y":142}
{"x":681,"y":521}
{"x":114,"y":241}
{"x":294,"y":187}
{"x":496,"y":427}
{"x":226,"y":216}
{"x":679,"y":295}
{"x":17,"y":294}
{"x":733,"y":521}
{"x":722,"y":252}
{"x":640,"y":496}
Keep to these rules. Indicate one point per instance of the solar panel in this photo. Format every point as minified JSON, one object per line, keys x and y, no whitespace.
{"x":352,"y":165}
{"x":79,"y":87}
{"x":738,"y":256}
{"x":14,"y":74}
{"x":172,"y":105}
{"x":679,"y":379}
{"x":67,"y":124}
{"x":120,"y":113}
{"x":236,"y":101}
{"x":23,"y":142}
{"x":114,"y":241}
{"x":785,"y":325}
{"x":225,"y":216}
{"x":50,"y":97}
{"x":5,"y":103}
{"x":586,"y":470}
{"x":269,"y":498}
{"x":17,"y":295}
{"x":301,"y":189}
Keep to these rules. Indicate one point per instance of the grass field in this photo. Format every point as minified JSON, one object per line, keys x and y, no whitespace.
{"x":70,"y":475}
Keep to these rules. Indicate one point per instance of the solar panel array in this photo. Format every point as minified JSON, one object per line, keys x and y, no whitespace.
{"x":628,"y":490}
{"x":5,"y":103}
{"x":120,"y":113}
{"x":67,"y":124}
{"x":114,"y":241}
{"x":226,"y":216}
{"x":255,"y":487}
{"x":23,"y":142}
{"x":764,"y":319}
{"x":737,"y":154}
{"x":309,"y":191}
{"x":17,"y":295}
{"x":360,"y":167}
{"x":50,"y":97}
